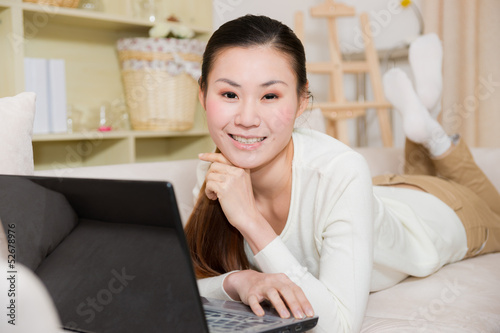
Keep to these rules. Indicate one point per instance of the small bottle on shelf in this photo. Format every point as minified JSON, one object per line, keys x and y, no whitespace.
{"x":95,"y":5}
{"x":104,"y":126}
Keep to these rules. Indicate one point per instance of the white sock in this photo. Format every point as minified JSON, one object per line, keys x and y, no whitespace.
{"x":418,"y":125}
{"x":426,"y":57}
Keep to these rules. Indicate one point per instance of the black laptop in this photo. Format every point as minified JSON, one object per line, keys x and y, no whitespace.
{"x":123,"y":264}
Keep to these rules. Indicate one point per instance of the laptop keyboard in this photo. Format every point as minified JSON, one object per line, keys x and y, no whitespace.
{"x":233,"y":322}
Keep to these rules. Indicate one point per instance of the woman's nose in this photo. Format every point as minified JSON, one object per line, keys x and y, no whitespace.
{"x":247,"y":116}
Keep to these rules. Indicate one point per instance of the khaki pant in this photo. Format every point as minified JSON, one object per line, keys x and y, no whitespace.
{"x":458,"y":182}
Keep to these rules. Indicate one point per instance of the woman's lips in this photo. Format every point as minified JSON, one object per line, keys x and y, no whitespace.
{"x":247,"y":141}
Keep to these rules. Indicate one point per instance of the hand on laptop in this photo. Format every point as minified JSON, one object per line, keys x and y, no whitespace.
{"x":252,"y":288}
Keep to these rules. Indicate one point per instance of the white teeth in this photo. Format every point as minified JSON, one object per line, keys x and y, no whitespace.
{"x":245,"y":140}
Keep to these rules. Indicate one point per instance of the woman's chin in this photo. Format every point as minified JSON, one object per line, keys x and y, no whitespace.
{"x":244,"y":160}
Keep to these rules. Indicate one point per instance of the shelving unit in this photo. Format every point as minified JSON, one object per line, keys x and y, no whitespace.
{"x":86,"y":40}
{"x":54,"y":151}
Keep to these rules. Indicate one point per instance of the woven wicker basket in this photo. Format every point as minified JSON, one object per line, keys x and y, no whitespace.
{"x":58,"y":3}
{"x":156,"y":99}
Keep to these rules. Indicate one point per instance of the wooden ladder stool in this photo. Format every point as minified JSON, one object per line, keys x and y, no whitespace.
{"x":338,"y":110}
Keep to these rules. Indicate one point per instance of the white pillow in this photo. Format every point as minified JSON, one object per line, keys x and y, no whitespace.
{"x":34,"y":310}
{"x":16,"y":129}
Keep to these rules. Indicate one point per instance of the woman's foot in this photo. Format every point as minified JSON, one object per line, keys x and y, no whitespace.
{"x":426,"y":57}
{"x":418,"y":125}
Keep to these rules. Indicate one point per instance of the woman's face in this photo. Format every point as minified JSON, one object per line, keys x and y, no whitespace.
{"x":251,"y":104}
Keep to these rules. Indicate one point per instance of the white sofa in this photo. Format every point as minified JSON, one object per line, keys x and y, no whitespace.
{"x":461,"y":297}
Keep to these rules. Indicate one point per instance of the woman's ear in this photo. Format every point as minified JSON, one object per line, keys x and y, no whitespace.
{"x":303,"y":101}
{"x":201,"y":97}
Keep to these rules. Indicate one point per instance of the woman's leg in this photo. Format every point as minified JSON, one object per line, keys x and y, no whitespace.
{"x":418,"y":125}
{"x":463,"y":186}
{"x":417,"y":160}
{"x":451,"y":162}
{"x":399,"y":91}
{"x":480,"y":213}
{"x":459,"y":166}
{"x":425,"y":56}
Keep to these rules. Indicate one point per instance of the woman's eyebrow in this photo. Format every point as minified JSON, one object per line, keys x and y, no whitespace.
{"x":265,"y":85}
{"x":270,"y":83}
{"x":230,"y":82}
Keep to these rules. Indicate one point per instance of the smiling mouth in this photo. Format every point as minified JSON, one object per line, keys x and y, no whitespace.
{"x":247,"y":141}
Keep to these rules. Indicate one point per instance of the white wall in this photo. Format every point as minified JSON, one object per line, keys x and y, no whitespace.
{"x":392,"y":27}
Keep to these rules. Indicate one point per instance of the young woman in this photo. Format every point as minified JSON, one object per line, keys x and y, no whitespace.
{"x":291,"y":216}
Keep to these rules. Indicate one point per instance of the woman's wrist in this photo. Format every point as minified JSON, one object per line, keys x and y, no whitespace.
{"x":258,"y":233}
{"x":230,"y":285}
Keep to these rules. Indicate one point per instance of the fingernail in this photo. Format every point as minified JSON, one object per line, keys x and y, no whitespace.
{"x":310,"y":312}
{"x":284,"y":314}
{"x":299,"y":315}
{"x":260,"y":313}
{"x":200,"y":155}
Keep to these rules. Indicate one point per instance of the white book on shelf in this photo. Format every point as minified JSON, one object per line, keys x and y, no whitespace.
{"x":57,"y":96}
{"x":36,"y":80}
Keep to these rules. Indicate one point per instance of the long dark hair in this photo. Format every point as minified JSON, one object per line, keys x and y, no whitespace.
{"x":216,"y":246}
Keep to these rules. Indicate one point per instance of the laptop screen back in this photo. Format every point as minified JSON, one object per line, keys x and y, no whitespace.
{"x":123,"y":266}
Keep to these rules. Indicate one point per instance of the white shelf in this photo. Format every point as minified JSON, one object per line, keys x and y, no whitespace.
{"x":117,"y":135}
{"x":115,"y":147}
{"x":86,"y":40}
{"x":86,"y":18}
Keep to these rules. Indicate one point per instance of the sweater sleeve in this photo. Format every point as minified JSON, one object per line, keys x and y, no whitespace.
{"x":213,"y":287}
{"x":339,"y":293}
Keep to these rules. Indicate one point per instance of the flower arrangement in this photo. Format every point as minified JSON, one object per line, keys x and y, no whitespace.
{"x":172,"y":28}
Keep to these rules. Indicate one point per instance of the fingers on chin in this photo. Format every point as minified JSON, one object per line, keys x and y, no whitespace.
{"x":214,"y":158}
{"x":211,"y":195}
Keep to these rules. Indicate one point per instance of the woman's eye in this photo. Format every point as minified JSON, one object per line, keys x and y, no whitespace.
{"x":270,"y":96}
{"x":229,"y":95}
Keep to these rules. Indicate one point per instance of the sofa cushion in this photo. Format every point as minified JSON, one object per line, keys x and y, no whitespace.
{"x":460,"y":297}
{"x":16,"y":127}
{"x":42,"y":218}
